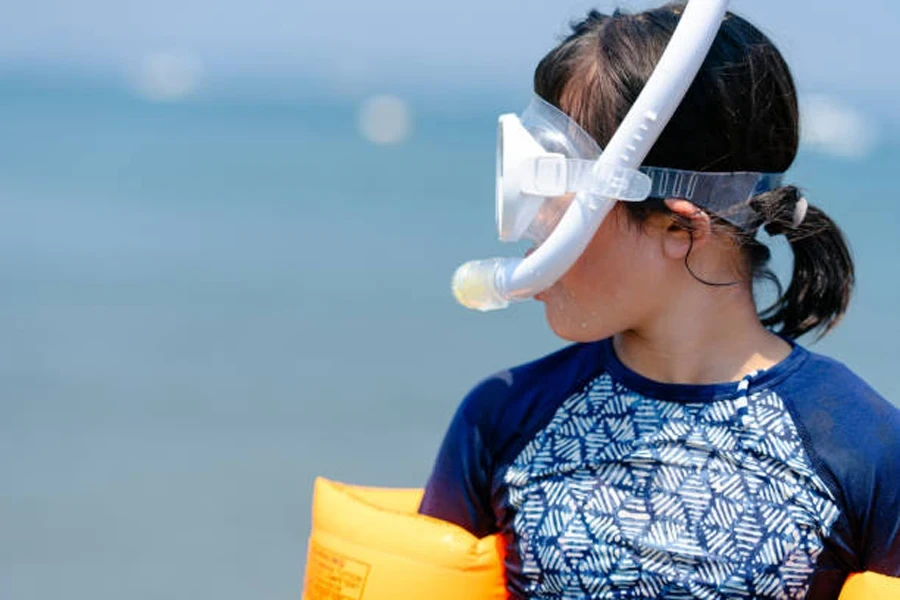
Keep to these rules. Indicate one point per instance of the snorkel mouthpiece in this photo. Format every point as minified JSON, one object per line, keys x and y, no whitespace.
{"x":476,"y":284}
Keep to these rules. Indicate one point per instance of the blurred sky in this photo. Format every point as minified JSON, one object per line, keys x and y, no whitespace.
{"x":836,"y":47}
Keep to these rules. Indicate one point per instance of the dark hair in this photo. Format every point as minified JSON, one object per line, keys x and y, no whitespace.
{"x":740,"y":114}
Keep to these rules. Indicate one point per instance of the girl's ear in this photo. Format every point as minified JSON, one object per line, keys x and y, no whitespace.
{"x":688,"y":227}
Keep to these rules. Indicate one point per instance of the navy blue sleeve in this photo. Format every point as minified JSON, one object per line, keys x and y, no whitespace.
{"x":854,"y":435}
{"x":493,"y":423}
{"x":459,"y":488}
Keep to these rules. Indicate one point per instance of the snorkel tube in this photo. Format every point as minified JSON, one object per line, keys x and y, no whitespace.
{"x":494,"y":283}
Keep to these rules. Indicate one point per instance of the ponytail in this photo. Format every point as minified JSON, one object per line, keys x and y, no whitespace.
{"x":823,"y":275}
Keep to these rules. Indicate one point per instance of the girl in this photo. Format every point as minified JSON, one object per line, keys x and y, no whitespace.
{"x":685,"y":446}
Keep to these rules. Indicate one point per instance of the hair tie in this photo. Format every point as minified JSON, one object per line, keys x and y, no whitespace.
{"x":800,"y":209}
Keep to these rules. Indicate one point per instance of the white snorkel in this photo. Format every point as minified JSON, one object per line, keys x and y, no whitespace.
{"x":493,"y":283}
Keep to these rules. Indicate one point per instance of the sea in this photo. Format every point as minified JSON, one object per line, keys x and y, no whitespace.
{"x":206,"y":304}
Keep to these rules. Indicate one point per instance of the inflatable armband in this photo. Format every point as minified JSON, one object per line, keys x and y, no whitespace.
{"x":870,"y":586}
{"x":371,"y":544}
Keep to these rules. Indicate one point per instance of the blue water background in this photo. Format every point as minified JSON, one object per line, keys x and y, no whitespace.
{"x":205,"y":305}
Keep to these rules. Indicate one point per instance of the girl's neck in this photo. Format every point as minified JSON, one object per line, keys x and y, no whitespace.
{"x":702,"y":340}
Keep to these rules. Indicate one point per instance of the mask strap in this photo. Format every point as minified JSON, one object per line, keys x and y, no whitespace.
{"x":727,"y":195}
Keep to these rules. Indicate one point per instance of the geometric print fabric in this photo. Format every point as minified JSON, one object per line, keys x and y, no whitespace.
{"x":624,"y":496}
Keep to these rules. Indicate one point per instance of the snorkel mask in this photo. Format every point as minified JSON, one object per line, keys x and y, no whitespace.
{"x":555,"y":185}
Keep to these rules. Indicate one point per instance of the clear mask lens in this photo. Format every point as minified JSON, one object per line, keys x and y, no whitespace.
{"x":547,"y":218}
{"x":544,"y":160}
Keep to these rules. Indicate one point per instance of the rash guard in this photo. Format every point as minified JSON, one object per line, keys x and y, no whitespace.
{"x":606,"y":484}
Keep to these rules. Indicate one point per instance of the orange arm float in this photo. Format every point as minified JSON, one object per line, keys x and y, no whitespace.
{"x":871,"y":586}
{"x":371,"y":544}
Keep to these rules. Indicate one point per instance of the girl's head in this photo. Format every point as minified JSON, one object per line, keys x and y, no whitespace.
{"x":740,"y":114}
